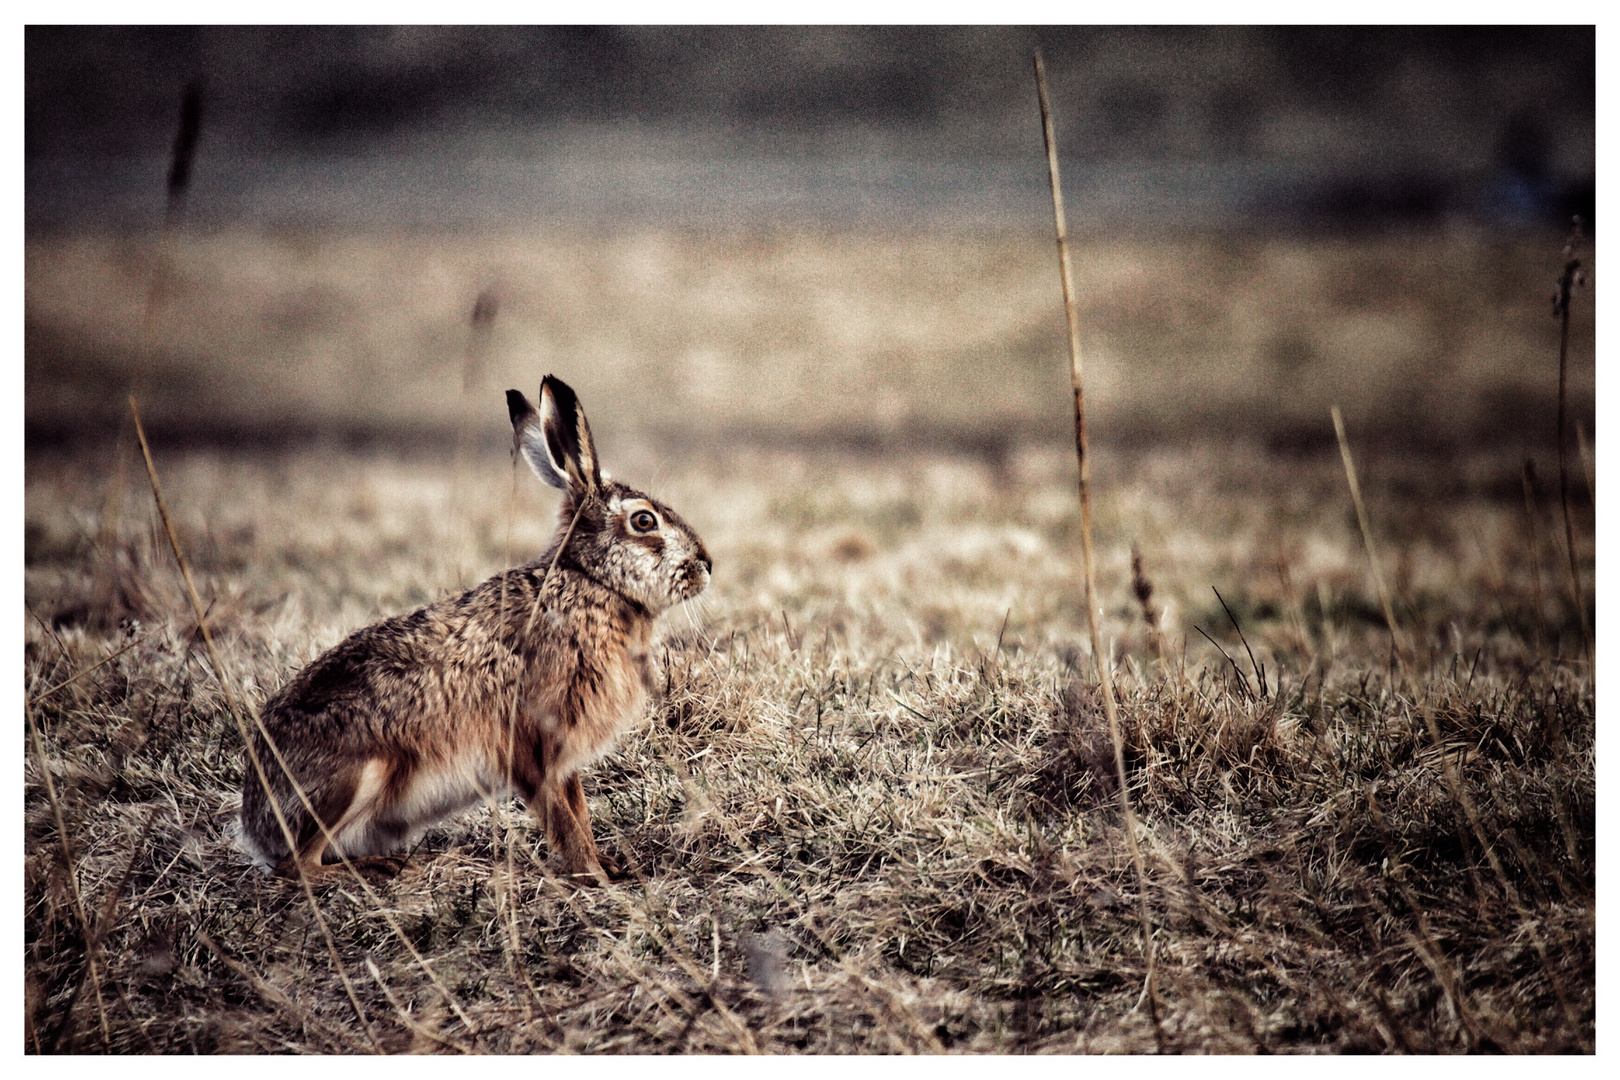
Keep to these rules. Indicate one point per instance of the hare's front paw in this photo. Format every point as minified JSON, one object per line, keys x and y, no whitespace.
{"x":604,"y":872}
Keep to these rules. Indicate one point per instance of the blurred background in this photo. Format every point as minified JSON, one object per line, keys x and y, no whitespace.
{"x":808,"y":236}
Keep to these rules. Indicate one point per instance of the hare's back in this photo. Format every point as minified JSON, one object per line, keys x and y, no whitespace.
{"x":380,"y":681}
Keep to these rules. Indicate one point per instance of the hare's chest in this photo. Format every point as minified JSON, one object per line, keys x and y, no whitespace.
{"x":621,"y":691}
{"x":605,"y":700}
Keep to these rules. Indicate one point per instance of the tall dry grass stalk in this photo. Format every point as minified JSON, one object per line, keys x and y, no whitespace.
{"x":501,"y":837}
{"x":1570,"y":278}
{"x":1528,"y":474}
{"x":181,"y":160}
{"x":1366,"y":535}
{"x":1104,"y":675}
{"x":247,"y":741}
{"x":262,"y":776}
{"x":1586,"y":462}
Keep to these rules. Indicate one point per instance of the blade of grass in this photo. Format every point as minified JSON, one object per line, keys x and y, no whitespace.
{"x":64,"y":1026}
{"x":1104,"y":676}
{"x":1567,"y":281}
{"x":109,"y":658}
{"x":1366,"y":534}
{"x":1259,"y":672}
{"x":1243,"y":680}
{"x":230,"y":700}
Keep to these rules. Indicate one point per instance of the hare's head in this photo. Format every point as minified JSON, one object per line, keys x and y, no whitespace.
{"x":623,"y":538}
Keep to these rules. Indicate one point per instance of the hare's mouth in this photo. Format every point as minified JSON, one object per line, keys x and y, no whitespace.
{"x":694,"y":579}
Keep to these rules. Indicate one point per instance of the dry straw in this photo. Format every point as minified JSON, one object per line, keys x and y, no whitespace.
{"x":158,"y":287}
{"x":920,"y":911}
{"x":1366,"y":534}
{"x":236,"y":714}
{"x":72,"y":873}
{"x":1104,"y":675}
{"x":1570,"y":278}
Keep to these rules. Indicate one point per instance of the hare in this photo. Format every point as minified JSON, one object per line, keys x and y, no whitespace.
{"x":516,"y":685}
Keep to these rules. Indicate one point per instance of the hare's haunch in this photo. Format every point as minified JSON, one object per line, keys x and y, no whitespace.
{"x":513,"y":686}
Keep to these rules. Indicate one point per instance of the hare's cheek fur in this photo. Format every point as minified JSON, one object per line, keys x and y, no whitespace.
{"x":641,"y":565}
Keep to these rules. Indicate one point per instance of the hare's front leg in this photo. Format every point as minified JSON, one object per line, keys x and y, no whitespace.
{"x":559,"y":804}
{"x":568,"y":827}
{"x":574,"y":792}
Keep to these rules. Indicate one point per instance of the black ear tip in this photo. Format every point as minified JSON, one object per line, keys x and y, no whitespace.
{"x":561,"y":393}
{"x":517,"y":405}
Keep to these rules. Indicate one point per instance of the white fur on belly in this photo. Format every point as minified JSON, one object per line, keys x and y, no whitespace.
{"x":434,"y":794}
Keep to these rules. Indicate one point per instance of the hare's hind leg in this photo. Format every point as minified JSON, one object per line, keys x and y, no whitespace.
{"x":351,"y":806}
{"x":332,"y":804}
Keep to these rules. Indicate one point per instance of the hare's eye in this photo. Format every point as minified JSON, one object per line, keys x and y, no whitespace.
{"x":643,"y":521}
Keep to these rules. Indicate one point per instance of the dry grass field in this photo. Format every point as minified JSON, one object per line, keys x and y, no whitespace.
{"x":873,"y":809}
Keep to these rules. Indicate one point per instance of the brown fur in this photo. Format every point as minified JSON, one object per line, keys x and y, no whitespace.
{"x":411,"y":719}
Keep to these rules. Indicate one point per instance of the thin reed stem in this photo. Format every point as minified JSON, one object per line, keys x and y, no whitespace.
{"x":1528,"y":474}
{"x":1586,"y":462}
{"x":181,"y":159}
{"x":66,"y":849}
{"x":1366,"y":534}
{"x":235,"y":711}
{"x":1567,"y":281}
{"x":1104,"y":675}
{"x":504,"y":896}
{"x":275,"y":804}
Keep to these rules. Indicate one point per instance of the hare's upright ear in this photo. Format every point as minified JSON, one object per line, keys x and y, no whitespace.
{"x":555,"y":439}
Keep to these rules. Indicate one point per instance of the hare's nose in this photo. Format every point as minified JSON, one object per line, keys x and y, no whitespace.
{"x":708,"y":567}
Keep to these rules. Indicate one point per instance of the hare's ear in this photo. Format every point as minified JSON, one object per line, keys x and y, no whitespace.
{"x":528,"y":441}
{"x":555,"y":439}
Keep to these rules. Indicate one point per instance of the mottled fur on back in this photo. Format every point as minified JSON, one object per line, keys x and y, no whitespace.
{"x":526,"y":678}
